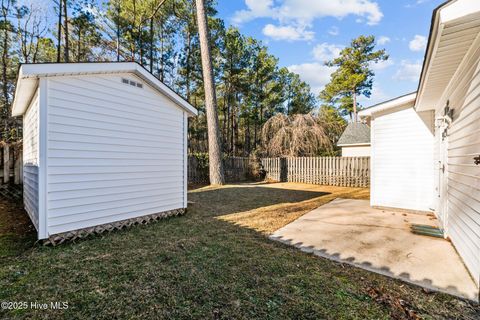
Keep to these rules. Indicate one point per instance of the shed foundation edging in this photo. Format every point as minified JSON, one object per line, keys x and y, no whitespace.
{"x":57,"y":239}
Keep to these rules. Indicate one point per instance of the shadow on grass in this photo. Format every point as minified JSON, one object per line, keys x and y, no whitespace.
{"x":228,"y":200}
{"x":199,"y":267}
{"x":17,"y":233}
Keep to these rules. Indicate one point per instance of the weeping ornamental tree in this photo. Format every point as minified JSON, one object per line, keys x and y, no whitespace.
{"x":298,"y":135}
{"x":353,"y":76}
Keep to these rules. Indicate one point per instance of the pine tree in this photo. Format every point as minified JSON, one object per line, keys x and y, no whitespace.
{"x":353,"y":76}
{"x":214,"y":150}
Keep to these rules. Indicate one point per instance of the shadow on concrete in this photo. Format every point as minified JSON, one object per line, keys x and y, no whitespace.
{"x":387,"y":247}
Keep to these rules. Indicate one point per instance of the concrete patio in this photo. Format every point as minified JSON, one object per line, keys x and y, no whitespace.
{"x":350,"y":231}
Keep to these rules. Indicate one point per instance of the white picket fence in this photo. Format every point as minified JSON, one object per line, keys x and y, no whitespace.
{"x":334,"y":171}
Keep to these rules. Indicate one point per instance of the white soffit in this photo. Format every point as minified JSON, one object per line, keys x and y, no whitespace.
{"x":29,"y":74}
{"x":455,"y":27}
{"x":390,"y":104}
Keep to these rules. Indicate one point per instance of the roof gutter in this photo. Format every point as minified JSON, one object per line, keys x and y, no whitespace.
{"x":404,"y":100}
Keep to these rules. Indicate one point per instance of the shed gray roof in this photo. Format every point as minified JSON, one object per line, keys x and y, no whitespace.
{"x":355,"y":133}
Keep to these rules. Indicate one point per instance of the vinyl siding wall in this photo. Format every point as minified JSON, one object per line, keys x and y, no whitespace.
{"x":356,"y":151}
{"x":463,"y":188}
{"x":31,"y":159}
{"x":402,"y":156}
{"x":115,"y":151}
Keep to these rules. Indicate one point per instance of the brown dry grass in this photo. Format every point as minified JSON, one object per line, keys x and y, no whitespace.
{"x":270,"y":218}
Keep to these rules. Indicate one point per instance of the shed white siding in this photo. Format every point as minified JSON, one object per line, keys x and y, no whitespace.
{"x":356,"y":151}
{"x":31,"y":159}
{"x":402,"y":157}
{"x":115,"y":151}
{"x":463,"y":223}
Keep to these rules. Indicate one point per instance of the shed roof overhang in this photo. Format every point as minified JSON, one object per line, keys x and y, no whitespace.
{"x":455,"y":26}
{"x":29,"y":75}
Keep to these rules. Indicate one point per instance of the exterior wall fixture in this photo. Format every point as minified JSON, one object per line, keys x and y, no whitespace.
{"x":476,"y":160}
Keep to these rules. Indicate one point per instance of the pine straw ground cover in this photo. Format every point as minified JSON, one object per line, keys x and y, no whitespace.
{"x":213,"y":263}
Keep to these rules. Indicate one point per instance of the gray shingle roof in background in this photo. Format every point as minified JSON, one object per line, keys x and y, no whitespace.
{"x":355,"y":133}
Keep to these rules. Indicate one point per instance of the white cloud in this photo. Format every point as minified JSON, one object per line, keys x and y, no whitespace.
{"x":418,"y":43}
{"x":306,"y":10}
{"x":417,"y":3}
{"x":326,"y":51}
{"x":334,"y":31}
{"x":289,"y":33}
{"x":408,"y":70}
{"x":377,"y":95}
{"x":300,"y":14}
{"x":383,"y":40}
{"x":381,"y":65}
{"x":315,"y":74}
{"x":256,"y":9}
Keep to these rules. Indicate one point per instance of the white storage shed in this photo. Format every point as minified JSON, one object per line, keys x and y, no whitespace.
{"x":104,"y":143}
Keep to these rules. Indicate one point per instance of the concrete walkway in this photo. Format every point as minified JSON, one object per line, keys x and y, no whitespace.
{"x":350,"y":231}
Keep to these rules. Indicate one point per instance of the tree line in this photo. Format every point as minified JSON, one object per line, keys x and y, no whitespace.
{"x":163,"y":37}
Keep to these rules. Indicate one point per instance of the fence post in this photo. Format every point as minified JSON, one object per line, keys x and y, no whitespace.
{"x":6,"y":163}
{"x":17,"y":166}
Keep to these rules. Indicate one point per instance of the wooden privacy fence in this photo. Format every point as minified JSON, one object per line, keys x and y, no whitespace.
{"x":236,"y":169}
{"x":11,"y":164}
{"x":334,"y":171}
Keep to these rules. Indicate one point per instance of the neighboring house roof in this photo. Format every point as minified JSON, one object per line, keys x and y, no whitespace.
{"x":455,"y":26}
{"x":355,"y":133}
{"x":389,"y":104}
{"x":29,"y":74}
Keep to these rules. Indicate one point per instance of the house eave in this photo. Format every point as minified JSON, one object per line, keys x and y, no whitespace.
{"x":388,"y":105}
{"x":455,"y":26}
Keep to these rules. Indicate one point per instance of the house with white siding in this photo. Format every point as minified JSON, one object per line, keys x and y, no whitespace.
{"x":105,"y":144}
{"x":426,"y":145}
{"x":355,"y":140}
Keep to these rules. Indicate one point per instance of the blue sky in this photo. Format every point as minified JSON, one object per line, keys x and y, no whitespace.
{"x":304,"y":33}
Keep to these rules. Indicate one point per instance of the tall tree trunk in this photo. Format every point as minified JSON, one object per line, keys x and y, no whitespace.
{"x":59,"y":36}
{"x":65,"y":19}
{"x":79,"y":46}
{"x":118,"y":31}
{"x":225,"y":118}
{"x":162,"y":66}
{"x":354,"y":106}
{"x":236,"y":128}
{"x":5,"y":45}
{"x":214,"y":152}
{"x":187,"y":67}
{"x":232,"y":128}
{"x":151,"y":45}
{"x":247,"y":136}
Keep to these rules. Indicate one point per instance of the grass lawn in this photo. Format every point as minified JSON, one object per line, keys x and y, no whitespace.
{"x":213,"y":263}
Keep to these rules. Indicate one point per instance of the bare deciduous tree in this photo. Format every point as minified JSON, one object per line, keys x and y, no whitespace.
{"x":32,"y":25}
